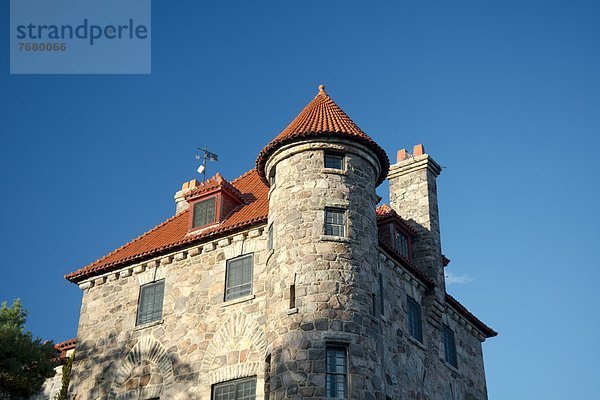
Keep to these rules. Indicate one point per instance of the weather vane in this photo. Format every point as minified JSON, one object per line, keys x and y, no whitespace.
{"x":206,"y":155}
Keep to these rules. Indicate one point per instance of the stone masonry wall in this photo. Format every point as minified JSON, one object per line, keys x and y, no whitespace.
{"x":334,"y":277}
{"x":413,"y":195}
{"x":200,"y":341}
{"x":417,"y":370}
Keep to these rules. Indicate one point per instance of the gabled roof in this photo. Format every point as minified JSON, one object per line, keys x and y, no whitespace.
{"x":384,"y":212}
{"x":173,"y":233}
{"x":322,"y":118}
{"x":214,"y":184}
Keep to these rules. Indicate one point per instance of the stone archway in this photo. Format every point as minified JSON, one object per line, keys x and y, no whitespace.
{"x":143,"y":373}
{"x":236,"y":350}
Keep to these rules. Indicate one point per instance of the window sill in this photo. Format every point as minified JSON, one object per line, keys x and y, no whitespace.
{"x":148,"y":325}
{"x":416,"y":343}
{"x":238,"y":300}
{"x":292,"y":311}
{"x":450,"y":366}
{"x":331,"y":238}
{"x":334,"y":171}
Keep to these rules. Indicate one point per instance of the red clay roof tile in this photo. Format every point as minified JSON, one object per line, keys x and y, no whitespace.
{"x":322,"y":118}
{"x":213,"y":184}
{"x":173,"y":232}
{"x":385,"y":212}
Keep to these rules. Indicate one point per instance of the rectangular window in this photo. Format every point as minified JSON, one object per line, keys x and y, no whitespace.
{"x":450,"y":346}
{"x":151,"y":302}
{"x":293,"y":295}
{"x":402,"y":244}
{"x":337,"y":372}
{"x":335,"y":221}
{"x":238,"y":277}
{"x":334,"y":160}
{"x":204,"y":212}
{"x":415,"y":325}
{"x":270,"y":237}
{"x":241,"y":389}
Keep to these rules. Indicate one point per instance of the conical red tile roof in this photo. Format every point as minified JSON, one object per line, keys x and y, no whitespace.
{"x":322,"y":118}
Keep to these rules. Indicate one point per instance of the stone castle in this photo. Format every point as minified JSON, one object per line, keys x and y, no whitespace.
{"x":288,"y":282}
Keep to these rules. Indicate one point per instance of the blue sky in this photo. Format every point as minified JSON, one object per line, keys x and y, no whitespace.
{"x":504,"y":95}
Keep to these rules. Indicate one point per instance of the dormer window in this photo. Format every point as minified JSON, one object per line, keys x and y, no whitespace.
{"x":401,"y":242}
{"x":394,"y":232}
{"x":334,"y":160}
{"x":204,"y":212}
{"x":212,"y":202}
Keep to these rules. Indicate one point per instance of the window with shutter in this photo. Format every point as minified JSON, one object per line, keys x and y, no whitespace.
{"x":204,"y":212}
{"x":238,"y":279}
{"x":335,"y":222}
{"x":150,"y":303}
{"x":415,"y":325}
{"x":241,"y":389}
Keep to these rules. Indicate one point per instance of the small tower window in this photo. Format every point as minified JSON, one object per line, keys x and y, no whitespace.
{"x":204,"y":212}
{"x":335,"y":222}
{"x":337,"y":370}
{"x":272,"y":177}
{"x":401,"y":242}
{"x":241,"y":389}
{"x":449,"y":346}
{"x":415,"y":325}
{"x":238,"y":277}
{"x":270,"y":237}
{"x":151,"y":303}
{"x":334,"y":160}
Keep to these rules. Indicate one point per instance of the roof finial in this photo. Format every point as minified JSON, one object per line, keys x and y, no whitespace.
{"x":321,"y":88}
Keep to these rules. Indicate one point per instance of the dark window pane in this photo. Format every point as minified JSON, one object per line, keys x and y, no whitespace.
{"x":402,"y":244}
{"x":238,"y":277}
{"x":335,"y":221}
{"x":270,"y":239}
{"x":336,"y":381}
{"x":415,"y":325}
{"x":450,"y":346}
{"x":151,"y":302}
{"x":242,"y":389}
{"x":334,"y":160}
{"x":204,"y":212}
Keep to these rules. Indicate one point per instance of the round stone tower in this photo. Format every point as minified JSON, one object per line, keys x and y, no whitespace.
{"x":323,"y":322}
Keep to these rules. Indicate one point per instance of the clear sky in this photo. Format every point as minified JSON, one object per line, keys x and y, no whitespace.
{"x":505,"y":95}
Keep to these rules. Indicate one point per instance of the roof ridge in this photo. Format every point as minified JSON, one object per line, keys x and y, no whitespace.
{"x":243,"y":175}
{"x":129,"y":243}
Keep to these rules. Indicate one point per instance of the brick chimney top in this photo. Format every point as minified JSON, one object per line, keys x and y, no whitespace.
{"x":418,"y":150}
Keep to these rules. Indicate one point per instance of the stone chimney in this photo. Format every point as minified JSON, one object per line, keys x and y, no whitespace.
{"x":180,"y":203}
{"x":413,"y":195}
